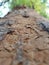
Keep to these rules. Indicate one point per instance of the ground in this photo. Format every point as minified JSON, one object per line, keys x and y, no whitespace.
{"x":23,"y":42}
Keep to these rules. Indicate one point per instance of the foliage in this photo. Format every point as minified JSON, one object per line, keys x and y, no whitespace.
{"x":38,"y":5}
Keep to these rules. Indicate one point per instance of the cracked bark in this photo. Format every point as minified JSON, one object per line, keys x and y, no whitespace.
{"x":19,"y":59}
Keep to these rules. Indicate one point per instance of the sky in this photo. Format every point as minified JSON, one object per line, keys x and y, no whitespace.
{"x":48,"y":1}
{"x":47,"y":9}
